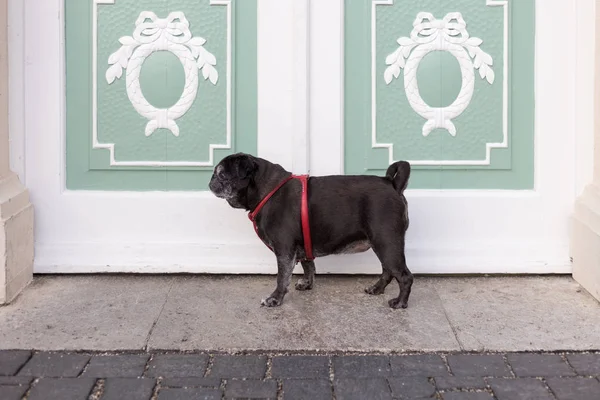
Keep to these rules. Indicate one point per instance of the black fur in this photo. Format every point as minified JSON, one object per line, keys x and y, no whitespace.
{"x":348,"y":214}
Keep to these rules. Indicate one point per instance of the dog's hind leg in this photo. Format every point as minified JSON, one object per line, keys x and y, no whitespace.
{"x":405,"y":280}
{"x":285,"y":267}
{"x":381,"y":284}
{"x":393,"y":260}
{"x":307,"y":281}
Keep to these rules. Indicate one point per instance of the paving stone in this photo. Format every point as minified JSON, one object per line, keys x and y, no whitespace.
{"x":429,"y":365}
{"x":216,"y":313}
{"x":361,"y":366}
{"x":411,"y":387}
{"x":307,"y":389}
{"x":253,"y":367}
{"x":63,"y":389}
{"x":12,"y":392}
{"x":362,"y":388}
{"x":251,"y":389}
{"x":585,"y":364}
{"x":303,"y":377}
{"x":519,"y":389}
{"x":520,"y":313}
{"x":575,"y":388}
{"x":128,"y":388}
{"x":460,"y":382}
{"x":55,"y":365}
{"x":189,"y":393}
{"x":531,"y":365}
{"x":177,"y":365}
{"x":478,"y":365}
{"x":101,"y":312}
{"x":467,"y":396}
{"x":12,"y":360}
{"x":310,"y":367}
{"x":191,"y":382}
{"x":15,"y":380}
{"x":116,"y":366}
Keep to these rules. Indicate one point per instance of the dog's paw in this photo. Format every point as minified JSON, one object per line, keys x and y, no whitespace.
{"x":303,"y":284}
{"x":397,"y":303}
{"x":270,"y":302}
{"x":374,"y":290}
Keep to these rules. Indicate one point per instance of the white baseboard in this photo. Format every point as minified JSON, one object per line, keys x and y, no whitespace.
{"x":255,"y":258}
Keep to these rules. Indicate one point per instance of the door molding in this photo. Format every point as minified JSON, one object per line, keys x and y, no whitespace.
{"x":301,"y":115}
{"x":326,"y":101}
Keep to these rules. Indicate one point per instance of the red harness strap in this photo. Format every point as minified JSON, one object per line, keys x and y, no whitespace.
{"x":303,"y":213}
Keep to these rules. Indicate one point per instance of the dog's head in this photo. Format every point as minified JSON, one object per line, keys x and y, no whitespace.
{"x":232,"y":177}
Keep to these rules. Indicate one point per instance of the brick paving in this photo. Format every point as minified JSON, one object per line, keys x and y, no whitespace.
{"x":28,"y":375}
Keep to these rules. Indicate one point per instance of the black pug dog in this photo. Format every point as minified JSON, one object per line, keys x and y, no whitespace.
{"x":347,"y":214}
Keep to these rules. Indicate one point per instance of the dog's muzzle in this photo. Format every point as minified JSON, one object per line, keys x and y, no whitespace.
{"x":219,"y":190}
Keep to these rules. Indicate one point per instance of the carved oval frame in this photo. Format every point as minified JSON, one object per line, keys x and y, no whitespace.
{"x":439,"y":117}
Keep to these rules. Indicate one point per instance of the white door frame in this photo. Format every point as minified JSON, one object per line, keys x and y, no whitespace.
{"x":300,"y":89}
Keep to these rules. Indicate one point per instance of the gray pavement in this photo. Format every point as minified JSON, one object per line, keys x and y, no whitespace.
{"x":146,"y":376}
{"x":223,"y":313}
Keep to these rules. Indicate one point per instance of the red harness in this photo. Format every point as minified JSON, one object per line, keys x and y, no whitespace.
{"x":303,"y":213}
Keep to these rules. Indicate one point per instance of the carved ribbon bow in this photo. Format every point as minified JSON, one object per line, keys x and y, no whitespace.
{"x":426,"y":28}
{"x":174,"y":28}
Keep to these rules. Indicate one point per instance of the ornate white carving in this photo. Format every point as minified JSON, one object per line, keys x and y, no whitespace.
{"x":161,"y":34}
{"x":160,"y":118}
{"x":430,"y":34}
{"x":440,"y":116}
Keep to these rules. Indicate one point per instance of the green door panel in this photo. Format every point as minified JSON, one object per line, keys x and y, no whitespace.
{"x":162,"y":79}
{"x":446,"y":85}
{"x":158,"y":91}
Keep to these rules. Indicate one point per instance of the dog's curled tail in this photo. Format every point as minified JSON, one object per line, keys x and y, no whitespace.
{"x":398,"y":173}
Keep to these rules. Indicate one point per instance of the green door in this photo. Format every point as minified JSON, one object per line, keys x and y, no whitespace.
{"x":158,"y":91}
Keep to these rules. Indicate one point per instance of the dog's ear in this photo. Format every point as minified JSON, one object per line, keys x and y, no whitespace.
{"x":246,"y":167}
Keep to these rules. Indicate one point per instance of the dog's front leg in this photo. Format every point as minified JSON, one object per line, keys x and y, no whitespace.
{"x":306,"y":282}
{"x":285,"y":267}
